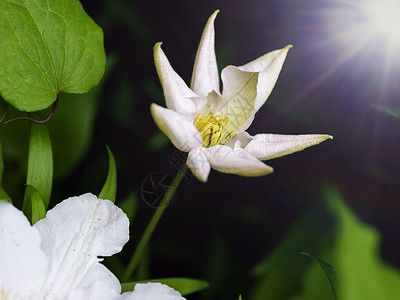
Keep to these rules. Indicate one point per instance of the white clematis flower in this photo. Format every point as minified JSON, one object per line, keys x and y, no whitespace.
{"x":57,"y":258}
{"x":210,"y":125}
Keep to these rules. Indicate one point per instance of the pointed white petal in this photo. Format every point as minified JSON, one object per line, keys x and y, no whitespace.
{"x":152,"y":291}
{"x":268,"y":146}
{"x":183,"y":134}
{"x":216,"y":103}
{"x":268,"y":66}
{"x":240,"y":88}
{"x":235,"y":161}
{"x":205,"y":71}
{"x":199,"y":102}
{"x":198,"y":164}
{"x":74,"y":233}
{"x":177,"y":93}
{"x":243,"y":137}
{"x":23,"y":265}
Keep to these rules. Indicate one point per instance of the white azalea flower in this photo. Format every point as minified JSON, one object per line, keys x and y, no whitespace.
{"x":210,"y":125}
{"x":57,"y":258}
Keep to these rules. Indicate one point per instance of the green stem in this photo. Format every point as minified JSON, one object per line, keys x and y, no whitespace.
{"x":153,"y":223}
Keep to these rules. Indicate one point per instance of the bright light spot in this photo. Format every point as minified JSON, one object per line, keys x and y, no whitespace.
{"x":356,"y":43}
{"x":384,"y":17}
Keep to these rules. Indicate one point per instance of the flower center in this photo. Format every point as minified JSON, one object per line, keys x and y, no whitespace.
{"x":211,"y":129}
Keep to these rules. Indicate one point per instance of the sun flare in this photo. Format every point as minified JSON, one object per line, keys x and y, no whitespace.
{"x":384,"y":19}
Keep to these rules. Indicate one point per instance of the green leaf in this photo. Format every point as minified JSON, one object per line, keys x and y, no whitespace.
{"x":281,"y":273}
{"x":240,"y":297}
{"x":33,"y":205}
{"x":47,"y":47}
{"x":40,"y":162}
{"x":355,"y":252}
{"x":185,"y":286}
{"x":109,"y":190}
{"x":72,"y":126}
{"x":364,"y":274}
{"x":331,"y":273}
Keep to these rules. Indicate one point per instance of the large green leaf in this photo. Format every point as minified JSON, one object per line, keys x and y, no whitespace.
{"x":47,"y":47}
{"x":72,"y":126}
{"x":40,"y":162}
{"x":331,"y":274}
{"x":183,"y":285}
{"x":364,"y":274}
{"x":353,"y":250}
{"x":280,"y":274}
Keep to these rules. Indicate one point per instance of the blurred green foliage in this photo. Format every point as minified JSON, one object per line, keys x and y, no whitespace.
{"x":350,"y":245}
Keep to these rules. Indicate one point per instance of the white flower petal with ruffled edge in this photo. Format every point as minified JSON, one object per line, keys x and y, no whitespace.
{"x":23,"y":265}
{"x":205,"y":76}
{"x":240,"y":89}
{"x":177,"y":94}
{"x":152,"y":291}
{"x":183,"y":134}
{"x":198,"y":164}
{"x":267,"y":146}
{"x":235,"y":161}
{"x":74,"y":233}
{"x":269,"y":67}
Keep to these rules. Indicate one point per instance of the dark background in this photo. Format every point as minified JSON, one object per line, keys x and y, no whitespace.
{"x":336,"y":80}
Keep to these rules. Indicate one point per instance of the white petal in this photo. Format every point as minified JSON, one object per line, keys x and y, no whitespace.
{"x":74,"y":233}
{"x":199,"y":102}
{"x":152,"y":291}
{"x":198,"y":164}
{"x":235,"y":161}
{"x":205,"y":71}
{"x":240,"y":88}
{"x":99,"y":284}
{"x":268,"y":146}
{"x":177,"y":93}
{"x":183,"y":134}
{"x":216,"y":103}
{"x":268,"y":66}
{"x":23,"y":265}
{"x":243,"y":137}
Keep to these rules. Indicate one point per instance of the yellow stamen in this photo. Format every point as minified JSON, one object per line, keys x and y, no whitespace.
{"x":211,"y":129}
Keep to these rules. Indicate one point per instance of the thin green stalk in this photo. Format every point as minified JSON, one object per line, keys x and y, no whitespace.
{"x":153,"y":223}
